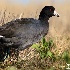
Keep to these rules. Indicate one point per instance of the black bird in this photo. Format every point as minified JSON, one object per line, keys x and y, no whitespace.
{"x":21,"y":33}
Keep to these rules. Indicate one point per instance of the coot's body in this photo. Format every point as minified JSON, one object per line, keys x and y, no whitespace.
{"x":23,"y":32}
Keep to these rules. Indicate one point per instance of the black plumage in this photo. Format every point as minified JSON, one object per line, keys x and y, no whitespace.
{"x":21,"y":33}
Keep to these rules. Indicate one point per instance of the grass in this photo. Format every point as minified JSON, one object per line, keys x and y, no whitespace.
{"x":43,"y":48}
{"x":40,"y":56}
{"x":51,"y":53}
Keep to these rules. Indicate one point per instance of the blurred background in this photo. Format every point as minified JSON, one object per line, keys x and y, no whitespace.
{"x":12,"y":9}
{"x":59,"y":29}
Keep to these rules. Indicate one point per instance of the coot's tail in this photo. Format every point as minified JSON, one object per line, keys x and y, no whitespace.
{"x":7,"y":47}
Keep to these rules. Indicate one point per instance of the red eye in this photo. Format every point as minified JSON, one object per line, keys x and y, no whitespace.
{"x":50,"y":10}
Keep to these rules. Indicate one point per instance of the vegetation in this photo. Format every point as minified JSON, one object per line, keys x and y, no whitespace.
{"x":50,"y":54}
{"x":40,"y":57}
{"x":44,"y":48}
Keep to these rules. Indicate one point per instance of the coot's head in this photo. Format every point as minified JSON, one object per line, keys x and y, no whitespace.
{"x":47,"y":12}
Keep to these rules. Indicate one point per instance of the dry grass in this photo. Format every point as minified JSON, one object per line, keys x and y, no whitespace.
{"x":59,"y":31}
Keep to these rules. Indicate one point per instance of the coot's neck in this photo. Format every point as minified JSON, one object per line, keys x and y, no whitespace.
{"x":43,"y":18}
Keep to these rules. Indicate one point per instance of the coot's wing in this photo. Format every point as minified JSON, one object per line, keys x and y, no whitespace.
{"x":10,"y":28}
{"x":7,"y":32}
{"x":9,"y":42}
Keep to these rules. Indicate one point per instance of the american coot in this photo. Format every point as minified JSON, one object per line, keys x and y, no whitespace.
{"x":21,"y":33}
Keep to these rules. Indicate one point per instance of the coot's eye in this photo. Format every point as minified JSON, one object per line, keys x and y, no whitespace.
{"x":50,"y":10}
